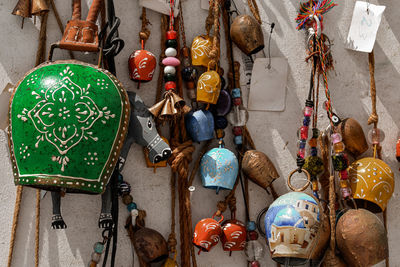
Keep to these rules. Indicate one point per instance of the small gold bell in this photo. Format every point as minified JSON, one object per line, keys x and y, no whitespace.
{"x":22,"y":9}
{"x":39,"y":7}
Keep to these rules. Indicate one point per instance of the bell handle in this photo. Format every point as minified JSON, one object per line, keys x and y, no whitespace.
{"x":222,"y":217}
{"x":94,"y":10}
{"x":289,"y":183}
{"x":76,"y":10}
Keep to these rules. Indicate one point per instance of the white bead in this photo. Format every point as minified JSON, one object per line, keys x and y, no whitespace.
{"x":134,"y":214}
{"x":169,"y":70}
{"x":170,"y":52}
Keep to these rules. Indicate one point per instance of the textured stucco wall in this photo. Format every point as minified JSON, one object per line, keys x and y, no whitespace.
{"x":349,"y":84}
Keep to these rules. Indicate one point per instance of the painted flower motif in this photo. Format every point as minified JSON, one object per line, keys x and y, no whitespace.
{"x":201,"y":47}
{"x":64,"y":115}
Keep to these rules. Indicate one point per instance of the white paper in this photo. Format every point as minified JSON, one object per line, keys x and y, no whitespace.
{"x":205,"y":4}
{"x":364,"y":26}
{"x":161,"y":6}
{"x":268,"y":85}
{"x":5,"y":96}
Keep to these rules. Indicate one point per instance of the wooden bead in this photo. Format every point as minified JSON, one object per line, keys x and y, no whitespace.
{"x":126,"y":199}
{"x":190,"y":85}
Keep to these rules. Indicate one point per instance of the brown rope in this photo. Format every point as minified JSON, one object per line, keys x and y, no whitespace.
{"x":210,"y":17}
{"x":144,"y":33}
{"x":40,"y":54}
{"x":172,"y":236}
{"x":254,"y":9}
{"x":214,"y":53}
{"x":37,"y":227}
{"x":182,"y":25}
{"x":373,"y":118}
{"x":14,"y":224}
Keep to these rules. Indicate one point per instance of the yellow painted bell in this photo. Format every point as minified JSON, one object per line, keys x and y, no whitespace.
{"x":208,"y":87}
{"x":372,"y":183}
{"x":170,"y":263}
{"x":200,"y":50}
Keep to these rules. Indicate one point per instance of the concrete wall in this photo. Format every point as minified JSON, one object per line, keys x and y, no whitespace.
{"x":274,"y":132}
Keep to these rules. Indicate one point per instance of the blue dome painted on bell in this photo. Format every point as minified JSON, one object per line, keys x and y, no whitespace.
{"x":289,"y":217}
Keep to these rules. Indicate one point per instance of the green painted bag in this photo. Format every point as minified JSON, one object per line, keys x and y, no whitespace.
{"x":67,"y":124}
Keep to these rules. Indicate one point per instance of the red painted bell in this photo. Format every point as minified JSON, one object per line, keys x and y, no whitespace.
{"x":142,"y":65}
{"x":207,"y":234}
{"x":233,"y":235}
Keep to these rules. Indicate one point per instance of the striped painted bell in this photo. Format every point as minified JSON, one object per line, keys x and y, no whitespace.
{"x":67,"y":123}
{"x":200,"y":125}
{"x":219,"y":169}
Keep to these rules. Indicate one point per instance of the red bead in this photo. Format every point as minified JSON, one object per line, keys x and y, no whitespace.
{"x":237,"y":130}
{"x":304,"y":132}
{"x":170,"y":86}
{"x":253,"y":235}
{"x":344,"y":175}
{"x":255,"y":264}
{"x":171,"y":35}
{"x":237,"y":101}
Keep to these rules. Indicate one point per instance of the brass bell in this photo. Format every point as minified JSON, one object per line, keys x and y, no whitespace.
{"x":259,"y":168}
{"x":247,"y":34}
{"x":361,"y":238}
{"x":353,"y":136}
{"x":150,"y":245}
{"x":23,"y":9}
{"x":39,"y":7}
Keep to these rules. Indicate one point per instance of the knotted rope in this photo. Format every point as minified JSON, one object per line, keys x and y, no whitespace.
{"x":144,"y":33}
{"x":373,"y":118}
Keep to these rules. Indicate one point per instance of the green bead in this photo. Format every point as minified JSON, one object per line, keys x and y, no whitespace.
{"x":171,"y":43}
{"x":314,"y":165}
{"x":98,"y":247}
{"x":169,"y":77}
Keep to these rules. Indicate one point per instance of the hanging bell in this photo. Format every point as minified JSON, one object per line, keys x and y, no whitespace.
{"x":247,"y":34}
{"x":23,"y":9}
{"x":142,"y":65}
{"x":259,"y":168}
{"x":353,"y":136}
{"x":361,"y":238}
{"x":208,"y":87}
{"x":233,"y":235}
{"x":207,"y":234}
{"x":295,"y":229}
{"x":333,"y":260}
{"x":219,"y":169}
{"x":200,"y":50}
{"x":39,"y":7}
{"x":200,"y":125}
{"x":372,"y":183}
{"x":150,"y":245}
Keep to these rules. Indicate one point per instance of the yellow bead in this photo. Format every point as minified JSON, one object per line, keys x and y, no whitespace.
{"x":339,"y":147}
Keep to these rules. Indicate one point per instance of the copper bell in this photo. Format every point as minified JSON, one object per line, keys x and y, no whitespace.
{"x":259,"y":168}
{"x":150,"y":246}
{"x":39,"y":7}
{"x":353,"y":136}
{"x":247,"y":34}
{"x":361,"y":238}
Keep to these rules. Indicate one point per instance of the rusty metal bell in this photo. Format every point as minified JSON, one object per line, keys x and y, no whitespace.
{"x":247,"y":34}
{"x":23,"y":9}
{"x":39,"y":7}
{"x":361,"y":238}
{"x":259,"y":168}
{"x":150,"y":245}
{"x":353,"y":136}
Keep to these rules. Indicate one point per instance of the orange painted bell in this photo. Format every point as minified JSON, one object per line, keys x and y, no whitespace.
{"x":209,"y":87}
{"x":233,"y":235}
{"x":361,"y":238}
{"x":142,"y":65}
{"x":372,"y":183}
{"x":200,"y":50}
{"x":353,"y":136}
{"x":247,"y":34}
{"x":207,"y":234}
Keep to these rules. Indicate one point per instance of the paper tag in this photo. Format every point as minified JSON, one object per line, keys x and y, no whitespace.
{"x":364,"y":26}
{"x":4,"y":101}
{"x":161,"y":6}
{"x":205,"y":4}
{"x":268,"y":85}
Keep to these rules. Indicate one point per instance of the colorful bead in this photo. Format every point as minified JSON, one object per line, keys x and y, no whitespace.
{"x":315,"y":133}
{"x":171,"y":43}
{"x":304,"y":132}
{"x":336,"y":138}
{"x":340,"y":162}
{"x":169,"y":77}
{"x":312,"y":142}
{"x":124,"y":188}
{"x":171,"y":61}
{"x":169,"y":70}
{"x":344,"y":175}
{"x":220,"y":122}
{"x":251,"y":226}
{"x":314,"y":151}
{"x":236,"y":93}
{"x":171,"y":35}
{"x":98,"y":247}
{"x":220,"y":133}
{"x":308,"y":111}
{"x":238,"y":140}
{"x":96,"y":257}
{"x":170,"y":52}
{"x":302,"y":144}
{"x":344,"y":183}
{"x":338,"y":147}
{"x":134,"y":213}
{"x":126,"y":199}
{"x":255,"y":264}
{"x":237,"y":130}
{"x":315,"y":194}
{"x":306,"y":121}
{"x":376,"y":136}
{"x":237,"y":101}
{"x":131,"y":206}
{"x":189,"y":74}
{"x":346,"y":192}
{"x":314,"y":165}
{"x":315,"y":185}
{"x":253,"y":235}
{"x":302,"y":152}
{"x":170,"y":86}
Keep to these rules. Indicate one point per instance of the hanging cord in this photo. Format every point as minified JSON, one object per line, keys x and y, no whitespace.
{"x":37,"y":228}
{"x":226,"y":20}
{"x":172,"y":236}
{"x":182,"y":25}
{"x":210,"y":17}
{"x":144,"y":33}
{"x":214,"y":53}
{"x":17,"y":208}
{"x":254,"y":10}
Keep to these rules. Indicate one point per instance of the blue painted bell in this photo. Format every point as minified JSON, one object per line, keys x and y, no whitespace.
{"x":296,"y":229}
{"x":219,"y":169}
{"x":200,"y":125}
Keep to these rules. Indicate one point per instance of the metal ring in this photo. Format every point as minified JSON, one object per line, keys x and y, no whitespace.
{"x":302,"y":188}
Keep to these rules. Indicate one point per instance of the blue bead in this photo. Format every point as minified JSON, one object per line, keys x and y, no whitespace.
{"x":238,"y":140}
{"x":236,"y":93}
{"x":315,"y":193}
{"x":302,"y":144}
{"x":120,"y":178}
{"x":306,"y":121}
{"x":131,"y":206}
{"x":251,"y":226}
{"x":314,"y":151}
{"x":98,"y":247}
